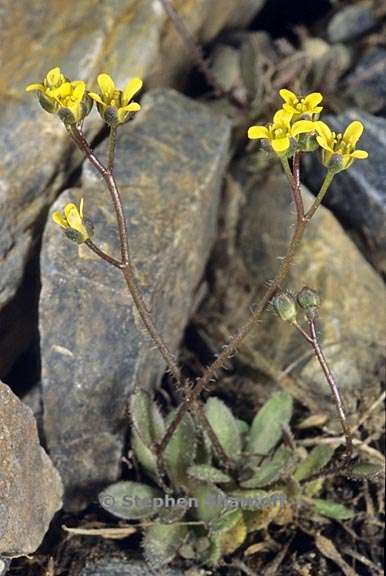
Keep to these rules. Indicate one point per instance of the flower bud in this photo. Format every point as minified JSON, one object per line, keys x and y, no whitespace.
{"x":285,"y":306}
{"x":309,"y":300}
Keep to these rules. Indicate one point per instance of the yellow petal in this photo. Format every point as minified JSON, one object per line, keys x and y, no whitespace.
{"x":107,"y":86}
{"x":63,"y":91}
{"x":133,"y":86}
{"x":323,"y":130}
{"x":31,"y":87}
{"x":54,"y":76}
{"x":288,"y":96}
{"x":96,"y":97}
{"x":256,"y":132}
{"x":302,"y":126}
{"x":321,"y":140}
{"x":78,"y":90}
{"x":313,"y":99}
{"x":58,"y":219}
{"x":81,"y":205}
{"x":282,"y":117}
{"x":281,"y":145}
{"x":360,"y":154}
{"x":289,"y":108}
{"x":353,"y":132}
{"x":132,"y":107}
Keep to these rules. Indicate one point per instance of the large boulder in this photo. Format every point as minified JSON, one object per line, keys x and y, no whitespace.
{"x":30,"y":487}
{"x":124,"y":38}
{"x":169,"y":165}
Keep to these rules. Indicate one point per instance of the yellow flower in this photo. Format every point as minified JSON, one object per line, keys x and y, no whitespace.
{"x":115,"y":105}
{"x":281,"y":133}
{"x":73,"y":222}
{"x":57,"y":95}
{"x":339,"y":149}
{"x":309,"y":105}
{"x":47,"y":89}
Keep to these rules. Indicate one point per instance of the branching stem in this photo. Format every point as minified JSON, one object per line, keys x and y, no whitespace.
{"x":211,"y":372}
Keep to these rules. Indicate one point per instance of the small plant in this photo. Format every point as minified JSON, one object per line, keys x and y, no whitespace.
{"x":203,"y":508}
{"x":200,"y":454}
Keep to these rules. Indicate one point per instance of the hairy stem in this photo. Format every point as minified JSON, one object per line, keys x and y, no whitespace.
{"x":125,"y":264}
{"x":228,"y":350}
{"x":111,"y":149}
{"x":318,"y":200}
{"x":334,"y":389}
{"x":110,"y":259}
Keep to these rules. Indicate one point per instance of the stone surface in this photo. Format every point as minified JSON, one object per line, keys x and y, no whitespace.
{"x":169,"y":165}
{"x":123,"y":37}
{"x":123,"y":567}
{"x":30,"y":486}
{"x":351,"y":22}
{"x":358,"y":196}
{"x":352,"y":316}
{"x":366,"y":85}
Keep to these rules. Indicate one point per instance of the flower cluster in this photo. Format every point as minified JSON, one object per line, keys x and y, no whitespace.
{"x":296,"y":127}
{"x":72,"y":102}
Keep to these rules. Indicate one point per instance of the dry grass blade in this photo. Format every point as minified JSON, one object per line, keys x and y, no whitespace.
{"x":327,"y":548}
{"x":110,"y":533}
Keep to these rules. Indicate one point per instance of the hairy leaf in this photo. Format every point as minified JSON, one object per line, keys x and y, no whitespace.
{"x":181,"y":450}
{"x":129,"y":500}
{"x":208,"y":473}
{"x":267,"y":425}
{"x":225,"y":426}
{"x":332,"y":509}
{"x":317,"y":459}
{"x":161,"y":543}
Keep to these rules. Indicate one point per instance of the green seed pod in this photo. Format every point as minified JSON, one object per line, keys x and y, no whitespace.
{"x":285,"y":306}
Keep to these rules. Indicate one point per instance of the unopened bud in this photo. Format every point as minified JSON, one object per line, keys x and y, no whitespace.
{"x":285,"y":306}
{"x":308,"y":299}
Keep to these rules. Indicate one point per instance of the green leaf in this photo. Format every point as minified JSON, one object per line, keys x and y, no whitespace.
{"x":317,"y":459}
{"x":268,"y":423}
{"x":332,"y":509}
{"x":129,"y":500}
{"x":181,"y":450}
{"x":225,"y":426}
{"x":271,"y":471}
{"x":213,"y":554}
{"x":225,"y":521}
{"x":146,"y":418}
{"x":243,"y":426}
{"x":170,"y":515}
{"x":207,"y":473}
{"x":148,"y":429}
{"x":210,"y":501}
{"x":365,"y":470}
{"x":144,"y":455}
{"x":161,"y":543}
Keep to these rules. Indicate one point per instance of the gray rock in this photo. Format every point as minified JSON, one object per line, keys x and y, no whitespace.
{"x":30,"y":487}
{"x":122,"y":567}
{"x":358,"y":196}
{"x":123,"y":37}
{"x":366,"y":85}
{"x":169,"y":165}
{"x":352,"y":316}
{"x":351,"y":22}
